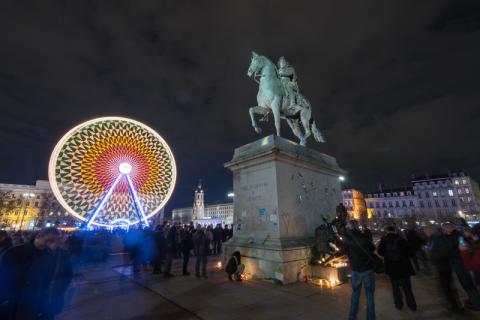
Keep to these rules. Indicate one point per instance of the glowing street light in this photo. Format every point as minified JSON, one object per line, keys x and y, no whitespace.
{"x":341,"y":178}
{"x":230,"y":195}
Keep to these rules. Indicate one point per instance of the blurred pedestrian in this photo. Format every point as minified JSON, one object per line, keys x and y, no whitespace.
{"x":396,"y":255}
{"x":439,"y":249}
{"x":160,"y":246}
{"x":218,"y":239}
{"x":455,"y":238}
{"x":5,"y":241}
{"x":470,"y":252}
{"x":26,"y":272}
{"x":201,"y":242}
{"x":187,"y":246}
{"x":416,"y":243}
{"x":171,"y":250}
{"x":62,"y":277}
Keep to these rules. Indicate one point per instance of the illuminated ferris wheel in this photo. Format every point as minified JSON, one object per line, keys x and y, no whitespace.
{"x":112,"y":172}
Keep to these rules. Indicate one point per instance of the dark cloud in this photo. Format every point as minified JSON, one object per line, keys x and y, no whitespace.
{"x":394,"y":84}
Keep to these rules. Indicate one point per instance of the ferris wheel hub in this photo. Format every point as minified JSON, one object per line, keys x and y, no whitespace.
{"x":125,"y":168}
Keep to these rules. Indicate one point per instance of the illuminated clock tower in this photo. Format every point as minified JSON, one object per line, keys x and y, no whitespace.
{"x":198,"y":203}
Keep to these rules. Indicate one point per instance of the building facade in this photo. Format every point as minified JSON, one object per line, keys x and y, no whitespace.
{"x":444,"y":196}
{"x":452,"y":194}
{"x":392,"y":203}
{"x":204,"y":214}
{"x":24,"y":207}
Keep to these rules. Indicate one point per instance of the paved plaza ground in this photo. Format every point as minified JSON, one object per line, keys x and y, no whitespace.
{"x":109,"y":291}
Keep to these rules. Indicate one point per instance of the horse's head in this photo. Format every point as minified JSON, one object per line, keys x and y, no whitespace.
{"x":256,"y":64}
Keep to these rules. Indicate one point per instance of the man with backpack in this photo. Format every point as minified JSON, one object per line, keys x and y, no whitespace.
{"x":396,"y":254}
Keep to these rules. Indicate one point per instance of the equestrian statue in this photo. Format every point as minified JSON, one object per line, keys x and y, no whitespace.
{"x":278,"y":93}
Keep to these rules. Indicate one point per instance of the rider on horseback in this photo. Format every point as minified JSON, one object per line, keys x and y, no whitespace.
{"x":288,"y":77}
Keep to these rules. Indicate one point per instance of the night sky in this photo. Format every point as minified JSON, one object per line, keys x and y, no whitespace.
{"x":394,"y":85}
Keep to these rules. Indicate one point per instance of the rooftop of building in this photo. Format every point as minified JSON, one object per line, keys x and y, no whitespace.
{"x":206,"y":206}
{"x":442,"y":176}
{"x":391,"y":190}
{"x":39,"y":185}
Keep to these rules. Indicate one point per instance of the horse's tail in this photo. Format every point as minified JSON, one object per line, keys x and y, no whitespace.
{"x":316,"y":132}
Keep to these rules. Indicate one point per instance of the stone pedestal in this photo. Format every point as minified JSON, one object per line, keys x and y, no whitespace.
{"x":282,"y":193}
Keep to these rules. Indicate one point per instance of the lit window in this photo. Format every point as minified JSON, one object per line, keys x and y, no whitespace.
{"x":469,"y":199}
{"x":456,"y":182}
{"x":435,"y":194}
{"x":464,"y":181}
{"x":467,"y":190}
{"x":459,"y":191}
{"x":450,"y":192}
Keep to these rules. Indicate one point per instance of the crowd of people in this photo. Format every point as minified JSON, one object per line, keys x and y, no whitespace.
{"x":451,"y":249}
{"x":159,"y":247}
{"x":36,"y":268}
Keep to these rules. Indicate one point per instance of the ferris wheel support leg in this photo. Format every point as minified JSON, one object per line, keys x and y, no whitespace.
{"x":136,"y":200}
{"x":105,"y":198}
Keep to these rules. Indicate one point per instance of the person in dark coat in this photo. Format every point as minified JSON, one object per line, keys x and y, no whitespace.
{"x":396,"y":254}
{"x":75,"y":247}
{"x":235,"y":267}
{"x":171,"y":250}
{"x":416,"y":244}
{"x":218,"y":239}
{"x":5,"y":241}
{"x":187,"y":246}
{"x":26,"y":272}
{"x":62,"y":277}
{"x":201,"y":242}
{"x":160,"y":245}
{"x":453,"y":236}
{"x":359,"y":249}
{"x":439,"y":250}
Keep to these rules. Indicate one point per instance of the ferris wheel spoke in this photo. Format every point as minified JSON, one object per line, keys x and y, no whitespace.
{"x":102,"y":203}
{"x":136,"y":200}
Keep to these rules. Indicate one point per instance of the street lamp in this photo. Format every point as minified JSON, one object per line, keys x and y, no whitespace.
{"x":341,"y":178}
{"x":230,"y":195}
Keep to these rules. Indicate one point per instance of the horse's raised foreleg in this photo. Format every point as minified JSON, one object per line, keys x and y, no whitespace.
{"x":257,"y":110}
